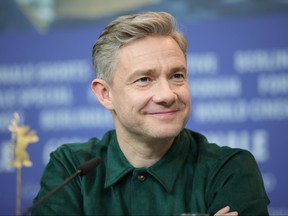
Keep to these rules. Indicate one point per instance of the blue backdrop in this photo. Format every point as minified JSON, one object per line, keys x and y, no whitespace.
{"x":239,"y":88}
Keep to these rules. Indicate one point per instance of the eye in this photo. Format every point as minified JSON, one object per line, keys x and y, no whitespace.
{"x":143,"y":81}
{"x":178,"y":76}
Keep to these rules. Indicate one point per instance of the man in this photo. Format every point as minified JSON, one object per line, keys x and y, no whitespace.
{"x":151,"y":164}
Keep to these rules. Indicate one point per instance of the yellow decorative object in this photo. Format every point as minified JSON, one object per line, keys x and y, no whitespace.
{"x":22,"y":136}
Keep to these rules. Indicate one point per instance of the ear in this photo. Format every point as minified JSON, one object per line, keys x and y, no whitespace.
{"x":101,"y":90}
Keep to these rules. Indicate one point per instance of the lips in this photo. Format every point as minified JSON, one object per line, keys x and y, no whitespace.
{"x":163,"y":114}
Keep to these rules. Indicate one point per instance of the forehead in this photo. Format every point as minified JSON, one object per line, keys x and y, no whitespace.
{"x":150,"y":49}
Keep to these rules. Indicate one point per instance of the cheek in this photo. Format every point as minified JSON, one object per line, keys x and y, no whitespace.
{"x":188,"y":98}
{"x":184,"y":96}
{"x":138,"y":102}
{"x":129,"y":103}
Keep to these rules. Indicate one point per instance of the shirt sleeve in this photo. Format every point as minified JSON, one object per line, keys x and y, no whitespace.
{"x":236,"y":181}
{"x":68,"y":200}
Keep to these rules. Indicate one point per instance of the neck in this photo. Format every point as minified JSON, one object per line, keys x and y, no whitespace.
{"x":144,"y":154}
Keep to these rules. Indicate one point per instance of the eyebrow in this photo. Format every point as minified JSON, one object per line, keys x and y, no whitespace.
{"x":181,"y":68}
{"x":150,"y":72}
{"x":136,"y":73}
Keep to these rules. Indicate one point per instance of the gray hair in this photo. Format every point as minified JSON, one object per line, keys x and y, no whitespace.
{"x":126,"y":29}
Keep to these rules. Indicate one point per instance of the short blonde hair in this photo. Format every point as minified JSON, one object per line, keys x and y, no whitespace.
{"x":126,"y":29}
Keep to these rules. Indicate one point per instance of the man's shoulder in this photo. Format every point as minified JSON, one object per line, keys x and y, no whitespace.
{"x":85,"y":150}
{"x":214,"y":152}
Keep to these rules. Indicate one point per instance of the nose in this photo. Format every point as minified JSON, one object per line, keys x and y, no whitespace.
{"x":164,"y":94}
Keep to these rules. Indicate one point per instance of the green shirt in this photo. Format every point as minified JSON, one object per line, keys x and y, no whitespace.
{"x":193,"y":176}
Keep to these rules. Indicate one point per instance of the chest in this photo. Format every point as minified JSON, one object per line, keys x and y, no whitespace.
{"x":140,"y":193}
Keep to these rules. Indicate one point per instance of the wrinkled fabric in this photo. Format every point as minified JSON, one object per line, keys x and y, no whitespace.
{"x":194,"y":176}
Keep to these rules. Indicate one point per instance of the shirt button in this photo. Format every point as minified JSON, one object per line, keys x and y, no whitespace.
{"x":141,"y":177}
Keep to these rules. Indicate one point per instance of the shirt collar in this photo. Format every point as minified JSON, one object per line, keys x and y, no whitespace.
{"x":165,"y":170}
{"x":117,"y":164}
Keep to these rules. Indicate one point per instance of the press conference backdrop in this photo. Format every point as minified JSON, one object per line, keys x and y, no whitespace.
{"x":238,"y":76}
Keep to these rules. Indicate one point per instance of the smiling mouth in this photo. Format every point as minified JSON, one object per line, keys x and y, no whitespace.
{"x":163,"y":114}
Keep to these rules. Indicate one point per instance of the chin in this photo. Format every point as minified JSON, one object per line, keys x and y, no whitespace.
{"x":168,"y":132}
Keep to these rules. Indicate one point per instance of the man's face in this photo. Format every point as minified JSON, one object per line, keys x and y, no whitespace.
{"x":150,"y":93}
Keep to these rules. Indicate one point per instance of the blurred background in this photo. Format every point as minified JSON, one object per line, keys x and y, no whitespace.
{"x":238,"y":75}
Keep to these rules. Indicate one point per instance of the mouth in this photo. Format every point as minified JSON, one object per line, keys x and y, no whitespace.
{"x":163,"y":114}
